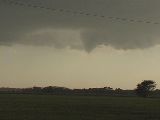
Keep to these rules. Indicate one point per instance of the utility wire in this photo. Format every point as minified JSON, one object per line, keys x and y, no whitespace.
{"x":17,"y":3}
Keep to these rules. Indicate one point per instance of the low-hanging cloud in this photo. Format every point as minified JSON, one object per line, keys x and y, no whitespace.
{"x":80,"y":24}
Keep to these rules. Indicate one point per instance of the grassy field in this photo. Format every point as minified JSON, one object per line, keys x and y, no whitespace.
{"x":48,"y":107}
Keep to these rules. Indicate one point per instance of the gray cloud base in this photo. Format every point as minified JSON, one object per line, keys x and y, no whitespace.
{"x":37,"y":26}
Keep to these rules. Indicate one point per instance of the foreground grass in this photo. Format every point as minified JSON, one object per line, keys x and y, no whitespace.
{"x":48,"y":107}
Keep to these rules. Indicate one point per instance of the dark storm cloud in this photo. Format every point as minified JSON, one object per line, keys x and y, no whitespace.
{"x":122,"y":24}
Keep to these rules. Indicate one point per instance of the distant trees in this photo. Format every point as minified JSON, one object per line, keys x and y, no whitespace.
{"x":145,"y":88}
{"x":56,"y":90}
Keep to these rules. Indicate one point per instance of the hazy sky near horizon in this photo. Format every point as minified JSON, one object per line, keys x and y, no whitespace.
{"x":79,"y":43}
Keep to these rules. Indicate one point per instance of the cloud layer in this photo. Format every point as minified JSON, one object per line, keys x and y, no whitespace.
{"x":80,"y":24}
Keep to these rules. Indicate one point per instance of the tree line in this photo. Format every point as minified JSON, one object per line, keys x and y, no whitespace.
{"x":144,"y":89}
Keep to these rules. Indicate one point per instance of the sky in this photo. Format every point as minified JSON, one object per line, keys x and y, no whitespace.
{"x":79,"y":43}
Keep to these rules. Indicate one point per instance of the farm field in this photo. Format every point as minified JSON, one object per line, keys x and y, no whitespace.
{"x":50,"y":107}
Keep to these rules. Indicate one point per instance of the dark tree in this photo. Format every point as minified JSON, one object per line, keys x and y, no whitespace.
{"x":145,"y":88}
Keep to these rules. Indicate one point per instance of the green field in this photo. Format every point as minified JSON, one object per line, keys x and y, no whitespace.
{"x":49,"y":107}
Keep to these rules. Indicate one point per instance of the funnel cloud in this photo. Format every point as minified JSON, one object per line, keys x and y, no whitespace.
{"x":82,"y":25}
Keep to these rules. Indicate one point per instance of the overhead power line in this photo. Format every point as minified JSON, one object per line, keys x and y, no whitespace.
{"x":40,"y":6}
